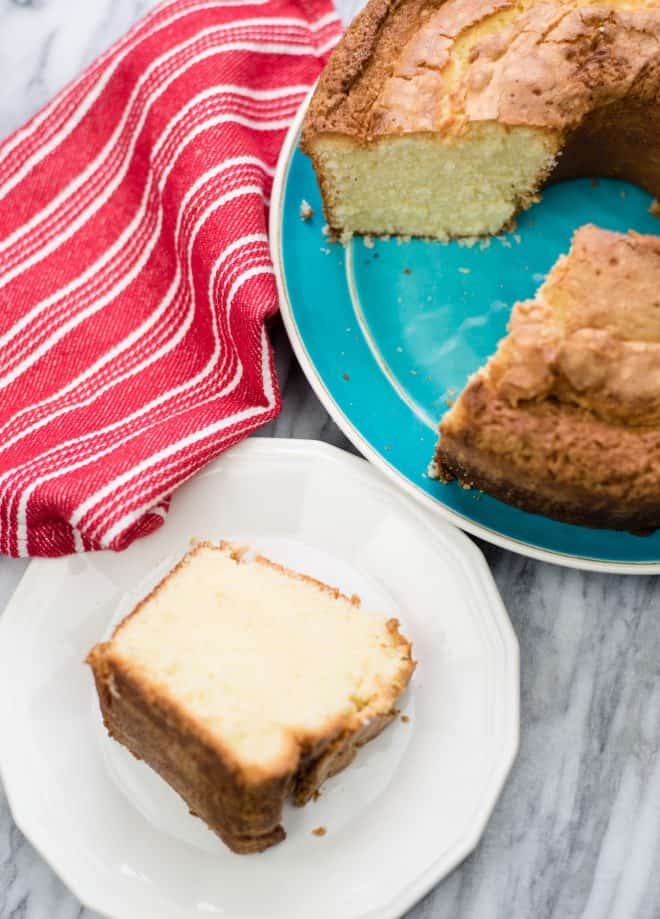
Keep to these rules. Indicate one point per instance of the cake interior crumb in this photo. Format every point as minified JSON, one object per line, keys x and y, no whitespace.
{"x":306,"y":210}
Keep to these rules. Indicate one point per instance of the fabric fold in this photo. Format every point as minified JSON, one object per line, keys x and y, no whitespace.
{"x":135,"y":276}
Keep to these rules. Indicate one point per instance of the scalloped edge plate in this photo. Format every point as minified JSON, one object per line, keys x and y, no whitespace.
{"x":411,"y":807}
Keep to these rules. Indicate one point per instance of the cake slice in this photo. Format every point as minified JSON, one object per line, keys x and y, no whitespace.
{"x":242,"y":683}
{"x":444,"y":119}
{"x":564,"y":420}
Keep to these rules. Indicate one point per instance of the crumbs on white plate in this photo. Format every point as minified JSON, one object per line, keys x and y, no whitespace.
{"x":306,"y":210}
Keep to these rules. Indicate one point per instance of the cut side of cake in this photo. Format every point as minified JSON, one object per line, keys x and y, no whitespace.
{"x":564,"y":420}
{"x":444,"y":119}
{"x":243,"y":683}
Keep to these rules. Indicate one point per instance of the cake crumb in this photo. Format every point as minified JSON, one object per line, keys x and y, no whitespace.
{"x":654,"y":209}
{"x":306,"y":210}
{"x":407,"y":271}
{"x":517,"y":237}
{"x":433,"y":470}
{"x":345,"y":376}
{"x":368,"y":242}
{"x":623,"y":193}
{"x":405,"y":719}
{"x":325,"y":229}
{"x":464,"y":270}
{"x":484,"y":244}
{"x":467,"y":242}
{"x":319,"y":831}
{"x":316,"y":795}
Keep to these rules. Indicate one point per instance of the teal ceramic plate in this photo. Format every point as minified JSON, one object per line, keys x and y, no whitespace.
{"x":388,"y":331}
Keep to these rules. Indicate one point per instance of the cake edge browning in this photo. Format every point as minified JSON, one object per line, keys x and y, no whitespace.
{"x":457,"y":458}
{"x":576,"y":135}
{"x":347,"y":64}
{"x":470,"y":472}
{"x":242,"y":806}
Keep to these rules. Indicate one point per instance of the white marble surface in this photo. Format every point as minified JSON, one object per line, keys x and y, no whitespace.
{"x":577,"y":830}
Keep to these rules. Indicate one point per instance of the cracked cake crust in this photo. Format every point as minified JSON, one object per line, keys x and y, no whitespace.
{"x":581,"y":80}
{"x":564,"y":420}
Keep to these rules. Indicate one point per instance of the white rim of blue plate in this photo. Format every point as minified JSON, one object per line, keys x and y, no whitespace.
{"x":353,"y":434}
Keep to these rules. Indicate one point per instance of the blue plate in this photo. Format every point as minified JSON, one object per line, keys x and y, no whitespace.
{"x":388,"y":331}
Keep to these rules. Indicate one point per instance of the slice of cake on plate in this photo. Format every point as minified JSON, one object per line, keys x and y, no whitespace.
{"x":243,"y":683}
{"x":564,"y":420}
{"x":445,"y":119}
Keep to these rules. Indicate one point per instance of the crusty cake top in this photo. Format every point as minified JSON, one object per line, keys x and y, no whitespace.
{"x":418,"y":65}
{"x":591,"y":336}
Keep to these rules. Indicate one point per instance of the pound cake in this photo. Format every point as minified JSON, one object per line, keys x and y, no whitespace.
{"x":444,"y":119}
{"x":564,"y":420}
{"x":243,"y":683}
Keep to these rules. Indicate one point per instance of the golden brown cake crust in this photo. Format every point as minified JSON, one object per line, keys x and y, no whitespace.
{"x":548,"y":66}
{"x":351,"y":80}
{"x":554,"y":460}
{"x":584,"y":76}
{"x":242,"y":806}
{"x":565,"y":418}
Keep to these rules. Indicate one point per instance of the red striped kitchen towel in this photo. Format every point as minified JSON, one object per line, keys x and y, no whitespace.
{"x":135,"y":278}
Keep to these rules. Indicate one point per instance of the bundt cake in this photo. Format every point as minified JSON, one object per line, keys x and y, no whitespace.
{"x":564,"y":420}
{"x":444,"y":119}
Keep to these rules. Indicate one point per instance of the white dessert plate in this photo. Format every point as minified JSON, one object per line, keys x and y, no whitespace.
{"x":410,"y":808}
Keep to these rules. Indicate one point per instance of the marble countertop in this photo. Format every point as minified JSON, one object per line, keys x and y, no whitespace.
{"x":576,"y":832}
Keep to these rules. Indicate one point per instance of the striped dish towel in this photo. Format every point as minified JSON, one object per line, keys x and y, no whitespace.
{"x":135,"y":278}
